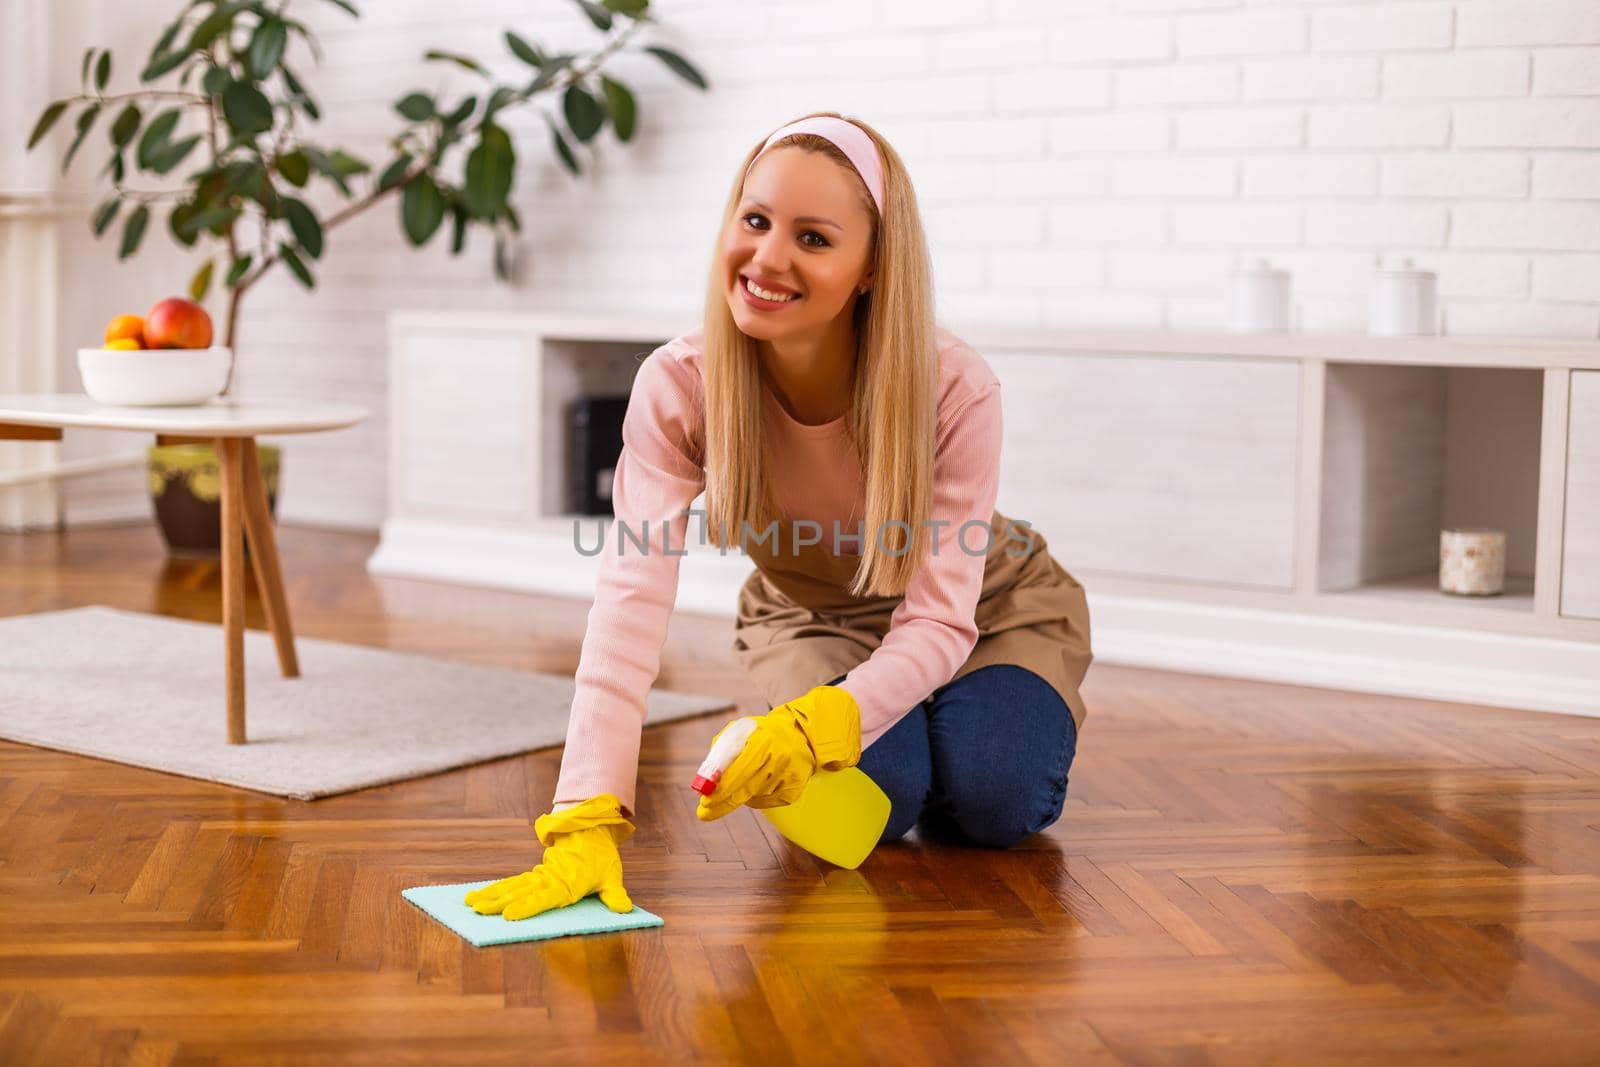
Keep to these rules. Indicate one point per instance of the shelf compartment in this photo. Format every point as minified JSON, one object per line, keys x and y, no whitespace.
{"x":1409,"y":450}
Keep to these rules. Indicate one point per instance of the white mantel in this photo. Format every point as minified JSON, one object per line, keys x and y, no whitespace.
{"x":1261,"y":505}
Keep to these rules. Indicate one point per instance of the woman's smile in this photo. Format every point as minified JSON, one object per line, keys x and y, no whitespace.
{"x":762,"y":303}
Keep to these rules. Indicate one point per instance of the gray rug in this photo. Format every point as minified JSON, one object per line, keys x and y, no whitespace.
{"x":148,"y":690}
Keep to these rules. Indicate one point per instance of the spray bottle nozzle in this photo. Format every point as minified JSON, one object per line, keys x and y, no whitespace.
{"x":728,"y":745}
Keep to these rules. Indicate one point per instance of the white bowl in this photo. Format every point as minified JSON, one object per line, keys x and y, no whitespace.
{"x":154,"y":377}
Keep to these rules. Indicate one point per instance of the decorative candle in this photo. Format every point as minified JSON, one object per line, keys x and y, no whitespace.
{"x":1472,"y":561}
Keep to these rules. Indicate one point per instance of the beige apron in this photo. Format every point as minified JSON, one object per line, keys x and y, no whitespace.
{"x":798,"y":626}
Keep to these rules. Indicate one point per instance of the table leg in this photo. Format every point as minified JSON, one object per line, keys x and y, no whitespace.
{"x":264,"y":558}
{"x":229,"y":452}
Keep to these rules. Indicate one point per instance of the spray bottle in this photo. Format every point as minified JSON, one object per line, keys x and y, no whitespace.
{"x":839,"y":817}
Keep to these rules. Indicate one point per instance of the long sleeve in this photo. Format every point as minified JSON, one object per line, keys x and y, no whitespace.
{"x":932,"y":629}
{"x":658,"y":475}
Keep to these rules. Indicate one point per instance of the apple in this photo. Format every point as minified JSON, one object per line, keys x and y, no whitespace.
{"x":177,"y":323}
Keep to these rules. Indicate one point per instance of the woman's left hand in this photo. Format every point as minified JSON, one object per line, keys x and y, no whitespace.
{"x":818,"y":731}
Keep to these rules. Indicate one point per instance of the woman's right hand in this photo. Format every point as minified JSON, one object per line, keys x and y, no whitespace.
{"x":580,"y":858}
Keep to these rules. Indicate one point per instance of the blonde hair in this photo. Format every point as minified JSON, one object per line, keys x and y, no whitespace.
{"x":892,"y":419}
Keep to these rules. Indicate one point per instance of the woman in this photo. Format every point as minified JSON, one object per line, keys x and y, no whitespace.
{"x":851,"y":447}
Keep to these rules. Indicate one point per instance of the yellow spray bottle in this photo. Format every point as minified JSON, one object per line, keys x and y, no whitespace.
{"x":838,"y":818}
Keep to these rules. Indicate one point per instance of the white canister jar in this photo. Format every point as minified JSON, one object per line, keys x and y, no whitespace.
{"x":1404,"y":302}
{"x":1260,"y":299}
{"x":1472,"y":561}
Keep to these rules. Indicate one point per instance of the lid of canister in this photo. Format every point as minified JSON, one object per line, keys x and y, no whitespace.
{"x":1260,"y":269}
{"x":1407,"y":269}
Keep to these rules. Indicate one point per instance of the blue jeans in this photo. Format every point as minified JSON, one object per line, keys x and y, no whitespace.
{"x":983,"y":761}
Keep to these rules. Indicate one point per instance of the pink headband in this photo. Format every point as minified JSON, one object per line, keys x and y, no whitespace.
{"x":849,"y":139}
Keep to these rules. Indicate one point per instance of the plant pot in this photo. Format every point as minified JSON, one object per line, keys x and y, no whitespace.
{"x":186,"y":489}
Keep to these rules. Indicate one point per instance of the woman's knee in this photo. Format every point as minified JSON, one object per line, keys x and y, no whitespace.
{"x":992,"y":817}
{"x":1002,"y":743}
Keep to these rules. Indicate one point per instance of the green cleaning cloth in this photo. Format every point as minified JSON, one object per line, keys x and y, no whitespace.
{"x":587,"y":916}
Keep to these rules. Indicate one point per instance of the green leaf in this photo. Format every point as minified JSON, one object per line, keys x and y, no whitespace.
{"x":246,"y":177}
{"x":162,"y":64}
{"x":462,"y":112}
{"x":345,"y":5}
{"x":298,"y":91}
{"x":304,"y":225}
{"x":173,"y":154}
{"x":88,"y":60}
{"x":552,"y":70}
{"x":679,"y":66}
{"x":133,"y":231}
{"x":584,"y":113}
{"x":489,"y":172}
{"x":418,"y":107}
{"x":155,"y":137}
{"x":297,"y":265}
{"x":247,"y":109}
{"x":236,"y":271}
{"x":178,"y":221}
{"x":164,"y":42}
{"x":325,"y":166}
{"x":435,"y":55}
{"x":421,"y":208}
{"x":85,"y":121}
{"x":295,"y":168}
{"x":523,"y":50}
{"x":631,"y":8}
{"x":105,"y":213}
{"x":395,"y":172}
{"x":498,"y":99}
{"x":126,"y":125}
{"x":597,"y":15}
{"x":47,"y":119}
{"x":296,"y":26}
{"x":346,"y":164}
{"x":214,"y":25}
{"x":200,"y":284}
{"x":458,"y":232}
{"x":115,"y":168}
{"x":266,"y":47}
{"x":215,"y":80}
{"x":569,"y":160}
{"x":620,"y":103}
{"x":212,"y":218}
{"x":102,"y":70}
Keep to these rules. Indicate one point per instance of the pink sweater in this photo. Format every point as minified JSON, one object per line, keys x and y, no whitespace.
{"x":658,"y":476}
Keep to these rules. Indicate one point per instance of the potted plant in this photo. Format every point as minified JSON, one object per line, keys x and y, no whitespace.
{"x":225,"y":121}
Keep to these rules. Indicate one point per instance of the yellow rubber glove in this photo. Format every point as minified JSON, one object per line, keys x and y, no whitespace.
{"x":818,"y":731}
{"x":580,"y":858}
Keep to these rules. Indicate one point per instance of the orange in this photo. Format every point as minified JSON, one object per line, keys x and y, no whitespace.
{"x":129,"y":327}
{"x":123,"y":344}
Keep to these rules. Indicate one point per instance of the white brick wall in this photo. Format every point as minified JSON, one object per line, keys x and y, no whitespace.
{"x":1077,"y":160}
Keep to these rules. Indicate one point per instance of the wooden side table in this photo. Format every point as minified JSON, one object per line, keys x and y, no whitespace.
{"x":231,"y":427}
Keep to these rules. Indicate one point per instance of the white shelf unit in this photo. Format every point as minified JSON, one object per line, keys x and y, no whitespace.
{"x":1260,"y":505}
{"x":478,"y":471}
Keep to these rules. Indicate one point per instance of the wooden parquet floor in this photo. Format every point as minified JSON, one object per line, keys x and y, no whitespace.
{"x":1246,"y":873}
